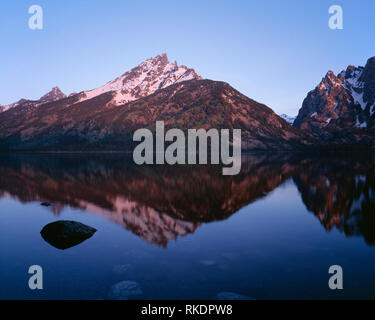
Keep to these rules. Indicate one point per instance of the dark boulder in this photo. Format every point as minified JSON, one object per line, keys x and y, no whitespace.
{"x":65,"y":234}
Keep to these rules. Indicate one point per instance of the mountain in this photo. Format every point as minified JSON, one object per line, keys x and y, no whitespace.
{"x":342,"y":107}
{"x":338,"y":113}
{"x":287,"y":118}
{"x":74,"y":123}
{"x":15,"y":104}
{"x":143,"y":80}
{"x":54,"y":95}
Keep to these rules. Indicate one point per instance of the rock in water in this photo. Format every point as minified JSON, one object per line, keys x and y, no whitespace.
{"x":124,"y":289}
{"x":65,"y":234}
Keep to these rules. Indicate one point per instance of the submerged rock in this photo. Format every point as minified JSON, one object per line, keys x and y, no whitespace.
{"x":65,"y":234}
{"x":232,"y":296}
{"x":124,"y":289}
{"x":208,"y":262}
{"x":121,"y":269}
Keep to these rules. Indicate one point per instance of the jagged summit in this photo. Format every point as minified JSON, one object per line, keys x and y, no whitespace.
{"x":342,"y":101}
{"x":143,"y":80}
{"x":94,"y":124}
{"x":161,"y":59}
{"x":54,"y":95}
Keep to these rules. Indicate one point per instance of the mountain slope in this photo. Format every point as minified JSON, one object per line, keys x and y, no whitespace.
{"x":342,"y":107}
{"x":53,"y":95}
{"x":99,"y":124}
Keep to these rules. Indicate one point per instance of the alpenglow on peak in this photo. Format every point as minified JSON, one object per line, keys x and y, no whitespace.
{"x":143,"y":80}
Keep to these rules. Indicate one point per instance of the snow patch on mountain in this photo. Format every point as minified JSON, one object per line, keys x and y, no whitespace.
{"x":53,"y":95}
{"x":287,"y":118}
{"x":339,"y":102}
{"x":143,"y":80}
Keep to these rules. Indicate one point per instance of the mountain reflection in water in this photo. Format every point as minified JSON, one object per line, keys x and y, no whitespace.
{"x":159,"y":203}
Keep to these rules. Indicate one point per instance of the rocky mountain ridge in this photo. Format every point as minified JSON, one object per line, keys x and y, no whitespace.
{"x":339,"y":112}
{"x":342,"y":106}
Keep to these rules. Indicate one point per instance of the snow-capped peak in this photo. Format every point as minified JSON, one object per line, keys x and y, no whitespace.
{"x":287,"y":118}
{"x":342,"y":101}
{"x":143,"y":80}
{"x":359,"y":83}
{"x":53,"y":95}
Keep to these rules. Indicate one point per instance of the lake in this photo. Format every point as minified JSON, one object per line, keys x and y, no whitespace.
{"x":188,"y":232}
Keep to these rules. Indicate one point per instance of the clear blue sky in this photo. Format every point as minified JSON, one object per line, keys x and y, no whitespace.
{"x":272,"y":51}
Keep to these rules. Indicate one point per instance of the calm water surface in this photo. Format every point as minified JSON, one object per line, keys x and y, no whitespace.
{"x":187,"y":232}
